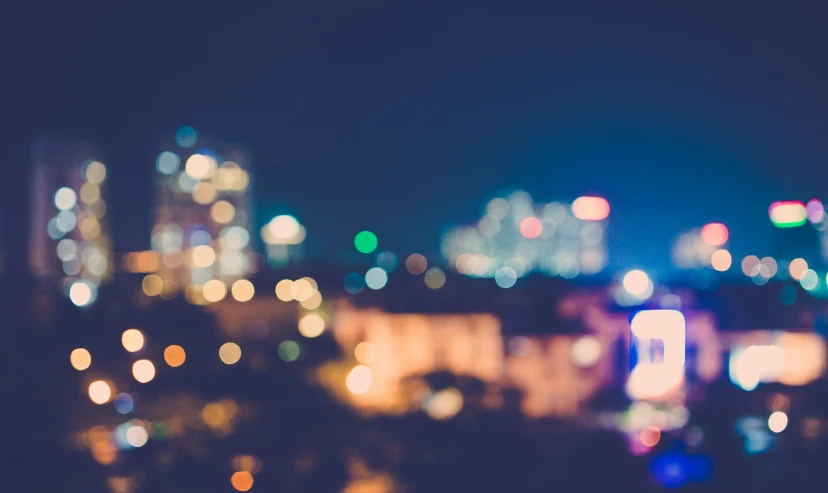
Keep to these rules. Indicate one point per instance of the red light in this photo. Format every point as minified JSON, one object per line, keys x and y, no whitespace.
{"x":714,"y":234}
{"x":531,"y":227}
{"x":591,"y":208}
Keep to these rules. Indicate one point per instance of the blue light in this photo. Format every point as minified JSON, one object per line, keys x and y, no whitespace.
{"x":354,"y":283}
{"x":675,"y":469}
{"x":186,"y":136}
{"x":124,"y":403}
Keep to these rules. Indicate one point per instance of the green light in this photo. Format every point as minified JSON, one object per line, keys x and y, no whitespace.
{"x":365,"y":242}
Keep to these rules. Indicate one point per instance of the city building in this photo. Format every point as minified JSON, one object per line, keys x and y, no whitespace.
{"x":202,"y":229}
{"x":517,"y":236}
{"x":69,"y":240}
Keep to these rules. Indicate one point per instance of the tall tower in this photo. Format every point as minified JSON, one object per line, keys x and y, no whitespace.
{"x":202,"y":215}
{"x":69,"y":239}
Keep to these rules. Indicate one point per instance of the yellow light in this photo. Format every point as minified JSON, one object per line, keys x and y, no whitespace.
{"x":798,"y":268}
{"x":222,"y":212}
{"x":90,"y":228}
{"x":230,"y":353}
{"x":777,"y":422}
{"x":214,"y":290}
{"x":284,"y":290}
{"x":152,"y":285}
{"x":132,"y":340}
{"x":199,"y":166}
{"x":311,"y":325}
{"x":100,"y":392}
{"x":313,"y":302}
{"x":175,"y":355}
{"x":242,"y":480}
{"x":80,"y":359}
{"x":204,"y":193}
{"x":89,"y":193}
{"x":444,"y":404}
{"x":365,"y":352}
{"x":721,"y":260}
{"x":359,"y":380}
{"x":80,"y":293}
{"x":203,"y":256}
{"x":95,"y":172}
{"x":143,"y":370}
{"x":243,"y":290}
{"x":301,"y":290}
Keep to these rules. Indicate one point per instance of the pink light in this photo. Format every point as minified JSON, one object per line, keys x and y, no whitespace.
{"x":531,"y":227}
{"x":714,"y":234}
{"x":591,"y":208}
{"x":815,"y":210}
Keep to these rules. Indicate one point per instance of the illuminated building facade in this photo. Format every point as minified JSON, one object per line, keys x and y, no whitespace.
{"x":202,"y":216}
{"x":516,"y":236}
{"x":69,"y":237}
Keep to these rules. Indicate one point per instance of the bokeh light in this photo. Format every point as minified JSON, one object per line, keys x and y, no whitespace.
{"x":284,"y":290}
{"x":214,"y":290}
{"x":186,"y":137}
{"x":810,"y":280}
{"x":721,"y":260}
{"x":283,"y":227}
{"x":416,"y":264}
{"x":376,"y":278}
{"x":175,"y":355}
{"x":797,"y":268}
{"x":152,"y":285}
{"x":65,"y":198}
{"x":815,"y":210}
{"x":435,"y":278}
{"x":359,"y":379}
{"x":751,"y":265}
{"x":388,"y":261}
{"x":242,"y":480}
{"x":132,"y":340}
{"x":302,"y":289}
{"x":242,"y":290}
{"x":365,"y":242}
{"x":230,"y":353}
{"x":777,"y":422}
{"x":714,"y":234}
{"x":788,"y":214}
{"x":365,"y":352}
{"x":354,"y":283}
{"x":586,"y":351}
{"x":636,"y":282}
{"x":505,"y":277}
{"x":531,"y":227}
{"x":311,"y":325}
{"x":768,"y":267}
{"x":590,"y":208}
{"x":202,"y":256}
{"x":200,"y":166}
{"x":100,"y":392}
{"x":222,"y":212}
{"x":137,"y":436}
{"x":95,"y":172}
{"x":143,"y":370}
{"x":289,"y":351}
{"x":82,"y":293}
{"x":444,"y":404}
{"x":80,"y":359}
{"x":649,"y":436}
{"x":167,"y":162}
{"x":124,"y":403}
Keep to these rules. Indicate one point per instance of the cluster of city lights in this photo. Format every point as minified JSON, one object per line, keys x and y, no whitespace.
{"x":82,"y":246}
{"x":516,"y":236}
{"x":283,"y":236}
{"x":703,"y":247}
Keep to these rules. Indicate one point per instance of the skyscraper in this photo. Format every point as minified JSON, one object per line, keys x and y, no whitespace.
{"x":202,"y":216}
{"x":69,"y":238}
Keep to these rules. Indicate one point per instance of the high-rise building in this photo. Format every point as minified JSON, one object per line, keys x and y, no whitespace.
{"x":516,"y":236}
{"x":69,"y":238}
{"x":202,"y":216}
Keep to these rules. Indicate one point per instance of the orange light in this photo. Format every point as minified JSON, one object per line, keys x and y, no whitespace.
{"x":591,"y":208}
{"x":650,"y":436}
{"x":175,"y":355}
{"x":242,"y":481}
{"x":714,"y":234}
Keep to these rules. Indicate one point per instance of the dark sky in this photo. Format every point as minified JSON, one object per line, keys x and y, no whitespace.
{"x":404,"y":117}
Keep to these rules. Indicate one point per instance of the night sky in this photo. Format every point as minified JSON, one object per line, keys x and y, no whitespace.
{"x":405,"y":117}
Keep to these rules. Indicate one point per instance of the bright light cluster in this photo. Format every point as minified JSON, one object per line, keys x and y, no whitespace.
{"x":517,"y":236}
{"x":703,"y":247}
{"x":651,"y":379}
{"x":78,"y":231}
{"x":283,"y":237}
{"x":202,"y":232}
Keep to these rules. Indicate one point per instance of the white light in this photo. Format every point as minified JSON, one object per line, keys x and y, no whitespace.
{"x":505,"y":277}
{"x":167,"y":162}
{"x":137,"y":436}
{"x":649,"y":379}
{"x":65,"y":198}
{"x":359,"y":380}
{"x":283,"y":227}
{"x":82,"y":293}
{"x":777,"y":422}
{"x":376,"y":278}
{"x":750,"y":366}
{"x":586,"y":351}
{"x":636,"y":282}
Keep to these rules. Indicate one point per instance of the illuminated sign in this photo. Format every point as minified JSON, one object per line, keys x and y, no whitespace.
{"x":655,"y":377}
{"x":788,"y":214}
